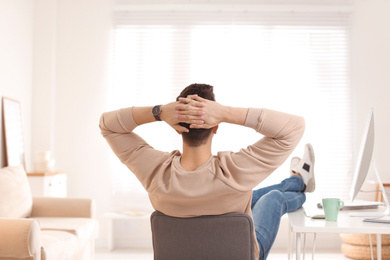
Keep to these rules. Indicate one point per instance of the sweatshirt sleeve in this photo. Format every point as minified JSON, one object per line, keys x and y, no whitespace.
{"x":142,"y":159}
{"x":281,"y":134}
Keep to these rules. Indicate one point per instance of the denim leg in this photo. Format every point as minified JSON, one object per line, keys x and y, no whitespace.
{"x":268,"y":210}
{"x":293,"y":183}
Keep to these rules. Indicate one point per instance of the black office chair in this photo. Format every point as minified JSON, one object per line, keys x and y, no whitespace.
{"x":228,"y":237}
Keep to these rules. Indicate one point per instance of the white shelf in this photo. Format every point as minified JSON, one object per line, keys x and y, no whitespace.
{"x":48,"y":184}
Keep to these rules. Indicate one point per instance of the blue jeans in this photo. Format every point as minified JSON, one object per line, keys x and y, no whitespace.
{"x":269,"y":204}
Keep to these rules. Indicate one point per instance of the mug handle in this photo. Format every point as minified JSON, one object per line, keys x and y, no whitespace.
{"x":341,"y":204}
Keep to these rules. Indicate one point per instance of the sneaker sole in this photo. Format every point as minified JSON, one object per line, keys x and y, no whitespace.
{"x":311,"y":183}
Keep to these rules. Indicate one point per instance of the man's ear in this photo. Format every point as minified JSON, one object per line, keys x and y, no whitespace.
{"x":215,"y":128}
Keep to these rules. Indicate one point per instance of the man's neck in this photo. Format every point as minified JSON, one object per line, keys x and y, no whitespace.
{"x":194,"y":157}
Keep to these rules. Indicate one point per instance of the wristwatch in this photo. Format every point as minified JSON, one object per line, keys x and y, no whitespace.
{"x":156,"y":112}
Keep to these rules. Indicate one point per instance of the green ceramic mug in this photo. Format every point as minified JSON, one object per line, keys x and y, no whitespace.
{"x":331,"y":208}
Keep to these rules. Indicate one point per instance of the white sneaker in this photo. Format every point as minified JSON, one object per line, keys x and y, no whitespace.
{"x":294,"y":162}
{"x":305,"y":168}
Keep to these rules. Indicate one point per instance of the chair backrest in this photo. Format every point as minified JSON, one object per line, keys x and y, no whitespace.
{"x":228,"y":236}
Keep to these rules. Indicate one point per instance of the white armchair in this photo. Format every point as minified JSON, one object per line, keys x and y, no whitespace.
{"x":43,"y":228}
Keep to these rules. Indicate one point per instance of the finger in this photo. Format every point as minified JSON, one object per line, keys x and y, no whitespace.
{"x":193,"y":96}
{"x":190,"y":119}
{"x":189,"y":110}
{"x":197,"y":125}
{"x":196,"y":98}
{"x":183,"y":107}
{"x":197,"y":104}
{"x":183,"y":129}
{"x":184,"y":100}
{"x":189,"y":115}
{"x":196,"y":122}
{"x":191,"y":102}
{"x":182,"y":118}
{"x":197,"y":113}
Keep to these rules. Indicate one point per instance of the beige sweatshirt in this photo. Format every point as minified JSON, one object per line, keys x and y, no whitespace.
{"x":221,"y":185}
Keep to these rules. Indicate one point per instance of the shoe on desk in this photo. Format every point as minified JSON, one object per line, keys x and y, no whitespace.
{"x":294,"y":162}
{"x":305,"y":167}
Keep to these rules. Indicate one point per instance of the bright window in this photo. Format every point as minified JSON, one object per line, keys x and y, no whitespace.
{"x":288,"y":61}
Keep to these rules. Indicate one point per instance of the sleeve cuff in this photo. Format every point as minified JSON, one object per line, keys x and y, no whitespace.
{"x":126,"y":119}
{"x":253,"y":117}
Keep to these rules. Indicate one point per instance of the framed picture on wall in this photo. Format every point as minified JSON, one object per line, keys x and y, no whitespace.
{"x":13,"y":132}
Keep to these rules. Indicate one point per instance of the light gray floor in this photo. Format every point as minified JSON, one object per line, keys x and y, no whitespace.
{"x":143,"y":254}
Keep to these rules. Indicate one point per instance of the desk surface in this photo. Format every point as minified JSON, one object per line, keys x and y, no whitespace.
{"x":345,"y":224}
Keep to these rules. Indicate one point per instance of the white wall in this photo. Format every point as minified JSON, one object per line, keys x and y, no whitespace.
{"x":55,"y":61}
{"x":83,"y":38}
{"x":79,"y":42}
{"x":370,"y":74}
{"x":71,"y":60}
{"x":16,"y":42}
{"x":44,"y":76}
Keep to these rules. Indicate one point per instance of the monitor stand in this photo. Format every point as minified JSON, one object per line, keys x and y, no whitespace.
{"x":375,"y":214}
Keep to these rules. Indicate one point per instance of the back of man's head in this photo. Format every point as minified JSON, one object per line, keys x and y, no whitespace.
{"x":197,"y":137}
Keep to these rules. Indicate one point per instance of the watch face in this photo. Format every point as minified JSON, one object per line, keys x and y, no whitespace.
{"x":156,"y":110}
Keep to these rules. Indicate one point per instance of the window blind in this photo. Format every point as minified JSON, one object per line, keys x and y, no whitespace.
{"x":296,"y":62}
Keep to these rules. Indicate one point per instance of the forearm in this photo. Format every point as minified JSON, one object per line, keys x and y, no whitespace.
{"x":143,"y":115}
{"x":234,"y":115}
{"x":277,"y":125}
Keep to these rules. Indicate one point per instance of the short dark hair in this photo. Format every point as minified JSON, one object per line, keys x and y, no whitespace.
{"x":197,"y":136}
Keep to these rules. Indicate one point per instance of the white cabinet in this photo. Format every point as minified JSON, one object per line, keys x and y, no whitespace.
{"x":52,"y":184}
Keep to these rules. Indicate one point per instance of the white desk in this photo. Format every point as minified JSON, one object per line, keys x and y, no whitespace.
{"x":300,"y":224}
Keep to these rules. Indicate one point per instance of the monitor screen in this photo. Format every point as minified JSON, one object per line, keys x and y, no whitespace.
{"x":364,"y":158}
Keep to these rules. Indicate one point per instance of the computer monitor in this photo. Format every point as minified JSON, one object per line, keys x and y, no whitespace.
{"x":365,"y":155}
{"x":362,"y":166}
